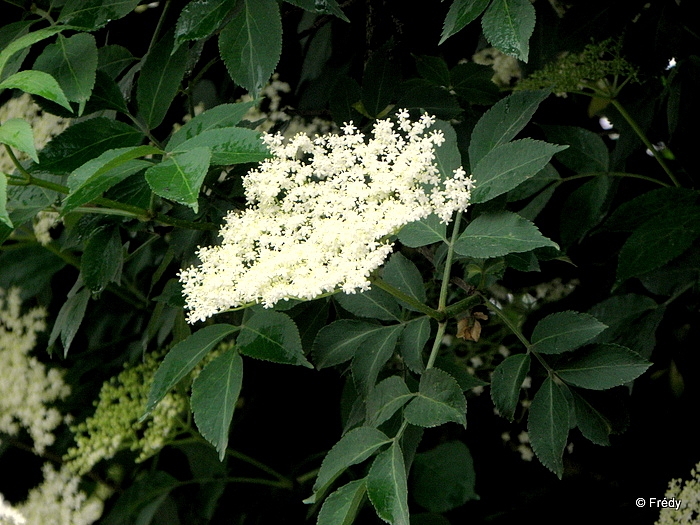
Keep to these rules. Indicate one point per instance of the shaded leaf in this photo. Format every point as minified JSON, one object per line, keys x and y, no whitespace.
{"x":102,"y":259}
{"x":341,"y":507}
{"x":439,"y":400}
{"x":4,"y":217}
{"x":433,"y":69}
{"x":272,"y":336}
{"x":423,"y":232}
{"x":586,"y":207}
{"x":591,"y":422}
{"x":374,"y":303}
{"x":586,"y":152}
{"x":461,"y":13}
{"x":375,"y":352}
{"x":387,"y":488}
{"x":148,"y":488}
{"x":413,"y":338}
{"x":403,"y":275}
{"x":180,"y":176}
{"x":25,"y":41}
{"x":337,"y":342}
{"x":214,"y":396}
{"x":385,"y":399}
{"x":379,"y":83}
{"x":603,"y":366}
{"x":251,"y":44}
{"x":227,"y":145}
{"x":508,"y":25}
{"x":69,"y":318}
{"x":564,"y":331}
{"x":472,"y":82}
{"x":647,"y":207}
{"x":113,"y":59}
{"x":200,"y":18}
{"x":93,"y":14}
{"x":506,"y":382}
{"x":548,"y":425}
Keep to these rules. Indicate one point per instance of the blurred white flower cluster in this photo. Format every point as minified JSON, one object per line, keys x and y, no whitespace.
{"x":688,"y":493}
{"x":9,"y":515}
{"x":27,"y":388}
{"x":320,"y":213}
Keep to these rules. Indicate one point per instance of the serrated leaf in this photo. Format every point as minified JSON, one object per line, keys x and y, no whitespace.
{"x":472,"y":82}
{"x":413,"y":338}
{"x":106,"y":95}
{"x":272,"y":336}
{"x":200,"y":18}
{"x":180,"y":176}
{"x":341,"y":507}
{"x":72,"y":62}
{"x":385,"y":399}
{"x":214,"y":395}
{"x":17,"y":133}
{"x":371,"y":358}
{"x":102,"y":259}
{"x":586,"y":152}
{"x":444,"y":477}
{"x":228,"y":146}
{"x":433,"y":69}
{"x":503,"y":122}
{"x":94,"y":14}
{"x":548,"y":425}
{"x":603,"y":366}
{"x":387,"y":487}
{"x":337,"y":342}
{"x":320,"y":6}
{"x":646,"y":207}
{"x":508,"y":25}
{"x":659,"y":240}
{"x":591,"y":422}
{"x":182,"y":358}
{"x":423,"y":232}
{"x":403,"y":275}
{"x":221,"y":116}
{"x":564,"y":331}
{"x":439,"y":400}
{"x":251,"y":44}
{"x":113,"y":59}
{"x":25,"y":41}
{"x":591,"y":201}
{"x":4,"y":217}
{"x":379,"y":83}
{"x":423,"y":96}
{"x":506,"y":382}
{"x":461,"y":13}
{"x":353,"y":448}
{"x":508,"y":165}
{"x":8,"y":33}
{"x":374,"y":303}
{"x":159,"y":80}
{"x":37,"y":83}
{"x":69,"y":318}
{"x":146,"y":489}
{"x":496,"y":234}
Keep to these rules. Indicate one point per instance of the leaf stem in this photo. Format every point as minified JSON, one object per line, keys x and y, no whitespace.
{"x":614,"y":174}
{"x":423,"y":308}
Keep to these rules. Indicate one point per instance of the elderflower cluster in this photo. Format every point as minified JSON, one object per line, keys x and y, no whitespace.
{"x":9,"y":515}
{"x":27,"y":387}
{"x":59,"y":501}
{"x":115,"y":424}
{"x":688,"y":493}
{"x":320,"y":213}
{"x":44,"y":125}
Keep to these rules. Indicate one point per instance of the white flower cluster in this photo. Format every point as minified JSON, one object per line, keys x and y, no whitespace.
{"x":688,"y":493}
{"x":44,"y":125}
{"x":58,"y":501}
{"x":320,"y":213}
{"x":9,"y":515}
{"x":26,"y":386}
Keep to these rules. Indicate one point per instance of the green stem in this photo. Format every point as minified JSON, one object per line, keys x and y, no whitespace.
{"x":614,"y":174}
{"x":436,"y":345}
{"x":254,"y":481}
{"x":26,"y":177}
{"x":423,"y":308}
{"x":442,"y":302}
{"x":640,"y":133}
{"x":462,"y":306}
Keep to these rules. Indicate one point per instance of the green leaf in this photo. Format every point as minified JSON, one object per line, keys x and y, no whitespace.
{"x":379,"y":83}
{"x":4,"y":217}
{"x":180,"y":176}
{"x":461,"y":13}
{"x":214,"y":395}
{"x":84,"y":141}
{"x":508,"y":165}
{"x":113,"y":158}
{"x":385,"y":399}
{"x":337,"y":342}
{"x":586,"y":152}
{"x":145,"y":490}
{"x":387,"y":487}
{"x":659,"y":240}
{"x":102,"y":259}
{"x":341,"y":507}
{"x":17,"y":133}
{"x":221,"y":116}
{"x":548,"y":425}
{"x":69,"y":318}
{"x":113,"y":59}
{"x":423,"y":232}
{"x":591,"y":202}
{"x":251,"y":44}
{"x":603,"y":366}
{"x":94,"y":14}
{"x":592,"y":423}
{"x":413,"y":338}
{"x":353,"y":448}
{"x":496,"y":234}
{"x":93,"y":186}
{"x":564,"y":331}
{"x":447,"y":155}
{"x":371,"y":358}
{"x":272,"y":336}
{"x":472,"y":82}
{"x":506,"y":382}
{"x":37,"y":83}
{"x":321,"y":6}
{"x":433,"y":69}
{"x":106,"y":95}
{"x":25,"y":41}
{"x":403,"y":275}
{"x":200,"y":18}
{"x":459,"y":372}
{"x":228,"y":145}
{"x":9,"y":33}
{"x":159,"y":80}
{"x":374,"y":303}
{"x":72,"y":62}
{"x":508,"y":25}
{"x":182,"y":358}
{"x":503,"y":122}
{"x":444,"y":477}
{"x":423,"y":96}
{"x":538,"y":182}
{"x":648,"y":207}
{"x":439,"y":400}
